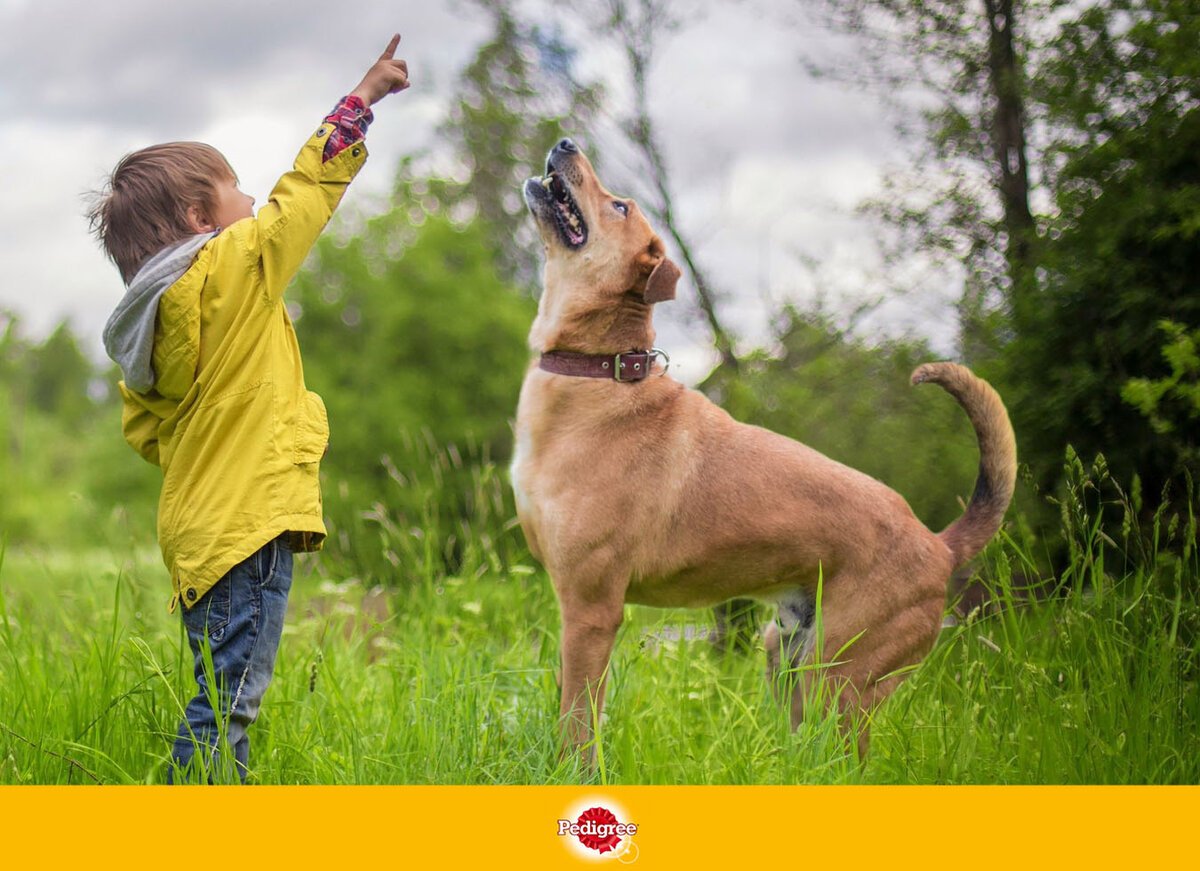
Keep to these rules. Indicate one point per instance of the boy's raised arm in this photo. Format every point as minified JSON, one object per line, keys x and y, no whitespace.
{"x":304,"y":199}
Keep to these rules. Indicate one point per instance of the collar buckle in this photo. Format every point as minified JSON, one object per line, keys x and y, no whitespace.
{"x":618,"y":365}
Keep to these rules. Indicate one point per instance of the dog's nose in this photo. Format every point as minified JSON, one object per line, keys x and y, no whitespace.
{"x":566,"y":145}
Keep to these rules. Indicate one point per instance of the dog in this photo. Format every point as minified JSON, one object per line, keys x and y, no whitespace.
{"x":631,"y":488}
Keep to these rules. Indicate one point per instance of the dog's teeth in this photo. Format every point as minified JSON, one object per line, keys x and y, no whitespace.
{"x":546,"y":182}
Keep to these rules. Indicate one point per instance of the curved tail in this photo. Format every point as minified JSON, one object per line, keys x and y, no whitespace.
{"x":966,"y":536}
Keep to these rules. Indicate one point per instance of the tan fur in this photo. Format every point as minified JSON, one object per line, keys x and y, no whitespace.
{"x":648,"y":493}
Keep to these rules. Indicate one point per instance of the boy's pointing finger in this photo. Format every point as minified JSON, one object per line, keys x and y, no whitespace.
{"x":390,"y":51}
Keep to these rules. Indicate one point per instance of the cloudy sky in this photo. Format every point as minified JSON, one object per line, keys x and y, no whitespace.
{"x":768,"y":164}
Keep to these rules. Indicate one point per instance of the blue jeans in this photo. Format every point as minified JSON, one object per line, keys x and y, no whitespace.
{"x":233,"y":632}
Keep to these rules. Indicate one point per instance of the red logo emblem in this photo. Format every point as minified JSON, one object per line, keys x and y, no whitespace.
{"x":598,"y":829}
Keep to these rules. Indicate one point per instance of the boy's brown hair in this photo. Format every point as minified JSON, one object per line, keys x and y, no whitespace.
{"x":144,"y":206}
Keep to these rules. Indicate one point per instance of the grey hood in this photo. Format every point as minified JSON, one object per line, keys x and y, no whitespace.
{"x":129,"y":333}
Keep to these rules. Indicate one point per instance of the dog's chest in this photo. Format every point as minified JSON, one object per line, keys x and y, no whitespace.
{"x":519,"y":472}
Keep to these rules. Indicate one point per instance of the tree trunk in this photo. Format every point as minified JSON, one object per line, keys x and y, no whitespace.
{"x":1008,"y":142}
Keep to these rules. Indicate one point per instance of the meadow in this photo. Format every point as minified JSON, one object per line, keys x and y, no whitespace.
{"x":396,"y":670}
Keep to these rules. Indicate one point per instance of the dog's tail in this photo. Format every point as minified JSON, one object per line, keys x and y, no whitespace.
{"x":966,"y":536}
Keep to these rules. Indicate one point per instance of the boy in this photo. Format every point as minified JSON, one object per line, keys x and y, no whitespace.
{"x":214,"y":392}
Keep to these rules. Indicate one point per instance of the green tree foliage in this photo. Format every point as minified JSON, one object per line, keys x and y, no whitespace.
{"x":64,"y":468}
{"x":1104,"y":95}
{"x":58,"y":376}
{"x":517,"y":97}
{"x":1122,"y":254}
{"x":1172,"y":404}
{"x":954,"y":75}
{"x":406,"y":329}
{"x":854,"y":403}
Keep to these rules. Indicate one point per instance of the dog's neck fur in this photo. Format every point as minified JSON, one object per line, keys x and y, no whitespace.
{"x":626,"y":326}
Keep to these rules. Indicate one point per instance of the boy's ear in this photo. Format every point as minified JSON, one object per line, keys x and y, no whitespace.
{"x":660,"y":286}
{"x":198,"y":221}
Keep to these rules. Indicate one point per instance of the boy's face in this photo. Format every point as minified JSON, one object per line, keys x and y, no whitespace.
{"x":231,"y":204}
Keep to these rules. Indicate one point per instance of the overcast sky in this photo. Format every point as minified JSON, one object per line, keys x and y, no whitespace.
{"x":768,"y":164}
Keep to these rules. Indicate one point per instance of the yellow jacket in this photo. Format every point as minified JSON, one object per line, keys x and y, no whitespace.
{"x":238,"y":436}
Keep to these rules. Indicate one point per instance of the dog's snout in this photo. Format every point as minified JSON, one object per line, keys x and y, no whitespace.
{"x":567,"y":146}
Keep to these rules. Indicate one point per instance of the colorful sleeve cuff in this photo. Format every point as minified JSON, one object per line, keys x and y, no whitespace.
{"x":350,"y":119}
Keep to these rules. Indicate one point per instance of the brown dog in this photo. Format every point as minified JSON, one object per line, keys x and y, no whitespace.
{"x":632,"y":488}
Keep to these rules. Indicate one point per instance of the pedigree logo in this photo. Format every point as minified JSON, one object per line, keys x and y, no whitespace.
{"x":596,"y":831}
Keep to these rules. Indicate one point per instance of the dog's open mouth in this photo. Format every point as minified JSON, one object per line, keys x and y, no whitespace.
{"x":552,"y":193}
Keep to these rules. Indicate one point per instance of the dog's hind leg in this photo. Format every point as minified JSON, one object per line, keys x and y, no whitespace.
{"x":870,"y":643}
{"x":789,"y":640}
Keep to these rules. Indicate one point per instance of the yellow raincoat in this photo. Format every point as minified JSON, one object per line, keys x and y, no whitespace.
{"x":238,"y":436}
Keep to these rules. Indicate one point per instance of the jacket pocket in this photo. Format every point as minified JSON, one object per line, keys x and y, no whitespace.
{"x":312,"y":430}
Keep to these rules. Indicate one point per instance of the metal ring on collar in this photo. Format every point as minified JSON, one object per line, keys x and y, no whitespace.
{"x":659,"y":352}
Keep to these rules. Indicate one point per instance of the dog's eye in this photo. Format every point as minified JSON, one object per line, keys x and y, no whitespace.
{"x":621,"y":207}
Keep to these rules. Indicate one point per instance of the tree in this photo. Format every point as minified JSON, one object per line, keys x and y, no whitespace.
{"x":853,"y":401}
{"x":954,"y":74}
{"x":518,"y":96}
{"x":638,"y":26}
{"x":406,"y":328}
{"x":64,"y":468}
{"x":57,"y":377}
{"x":418,"y":348}
{"x":1112,"y":95}
{"x":1121,"y":85}
{"x":1172,"y":403}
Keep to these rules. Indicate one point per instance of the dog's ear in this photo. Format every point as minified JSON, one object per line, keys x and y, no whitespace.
{"x":660,"y":286}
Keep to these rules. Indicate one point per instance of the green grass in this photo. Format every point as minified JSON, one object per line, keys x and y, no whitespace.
{"x":453,"y":678}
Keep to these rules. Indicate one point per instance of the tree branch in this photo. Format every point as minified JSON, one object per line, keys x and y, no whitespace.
{"x":637,"y":41}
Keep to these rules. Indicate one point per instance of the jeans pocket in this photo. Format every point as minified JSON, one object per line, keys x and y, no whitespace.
{"x":275,"y":564}
{"x":210,"y":615}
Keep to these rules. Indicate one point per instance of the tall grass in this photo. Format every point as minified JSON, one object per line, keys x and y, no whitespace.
{"x":406,"y":660}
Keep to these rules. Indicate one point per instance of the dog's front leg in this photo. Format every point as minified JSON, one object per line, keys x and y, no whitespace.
{"x":589,"y":630}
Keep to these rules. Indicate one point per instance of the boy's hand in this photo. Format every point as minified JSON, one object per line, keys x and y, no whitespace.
{"x":386,"y":76}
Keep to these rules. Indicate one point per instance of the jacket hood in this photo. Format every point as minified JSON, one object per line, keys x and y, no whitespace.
{"x":129,"y":333}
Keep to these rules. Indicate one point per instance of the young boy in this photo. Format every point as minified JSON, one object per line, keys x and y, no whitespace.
{"x":214,"y":393}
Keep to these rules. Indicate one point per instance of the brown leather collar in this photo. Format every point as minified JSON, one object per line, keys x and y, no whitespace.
{"x":626,"y":366}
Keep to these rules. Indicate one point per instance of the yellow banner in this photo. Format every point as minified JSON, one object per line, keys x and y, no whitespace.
{"x":561,"y":827}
